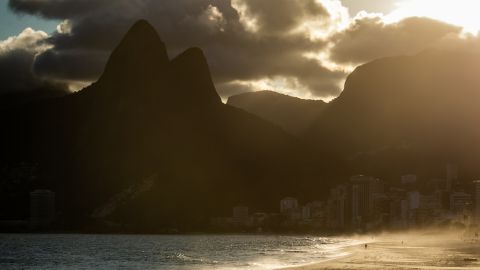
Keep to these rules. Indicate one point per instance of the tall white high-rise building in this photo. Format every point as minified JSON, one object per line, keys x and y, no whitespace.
{"x":477,"y":200}
{"x":409,"y":179}
{"x":364,"y":191}
{"x":413,"y":199}
{"x":459,"y":202}
{"x":288,"y":204}
{"x":240,"y":212}
{"x":42,"y":208}
{"x":452,"y":176}
{"x":339,"y":207}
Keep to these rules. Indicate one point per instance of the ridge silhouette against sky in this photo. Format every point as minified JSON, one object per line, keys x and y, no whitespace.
{"x":154,"y":122}
{"x":308,"y":53}
{"x":148,"y":118}
{"x":294,"y":115}
{"x":397,"y":114}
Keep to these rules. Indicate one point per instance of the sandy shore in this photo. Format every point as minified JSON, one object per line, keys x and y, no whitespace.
{"x":418,"y":251}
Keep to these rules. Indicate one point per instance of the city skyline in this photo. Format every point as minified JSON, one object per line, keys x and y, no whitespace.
{"x":366,"y":204}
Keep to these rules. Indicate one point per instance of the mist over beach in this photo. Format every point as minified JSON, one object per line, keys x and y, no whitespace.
{"x":416,"y":249}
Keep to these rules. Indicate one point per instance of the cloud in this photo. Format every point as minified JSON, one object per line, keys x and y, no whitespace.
{"x":468,"y":43}
{"x":17,"y":55}
{"x":70,"y":65}
{"x":55,"y":9}
{"x":29,"y":40}
{"x":280,"y":16}
{"x":369,"y":38}
{"x":303,"y":48}
{"x":276,"y":48}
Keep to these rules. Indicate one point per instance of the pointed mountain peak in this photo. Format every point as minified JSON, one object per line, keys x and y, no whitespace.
{"x":192,"y":74}
{"x":140,"y":54}
{"x":139,"y":68}
{"x":143,"y":25}
{"x":193,"y":59}
{"x":142,"y":29}
{"x":193,"y":53}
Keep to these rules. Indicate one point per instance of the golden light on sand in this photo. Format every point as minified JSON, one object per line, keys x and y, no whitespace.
{"x":463,"y":13}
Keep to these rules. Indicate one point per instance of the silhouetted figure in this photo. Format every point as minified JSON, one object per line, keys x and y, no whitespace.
{"x":366,"y":246}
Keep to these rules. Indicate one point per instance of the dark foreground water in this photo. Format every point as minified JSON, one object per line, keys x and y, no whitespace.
{"x":28,"y":251}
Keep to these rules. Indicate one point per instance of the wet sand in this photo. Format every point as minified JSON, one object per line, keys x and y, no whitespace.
{"x":418,"y":251}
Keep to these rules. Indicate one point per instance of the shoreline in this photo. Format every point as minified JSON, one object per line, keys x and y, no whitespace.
{"x":420,"y":250}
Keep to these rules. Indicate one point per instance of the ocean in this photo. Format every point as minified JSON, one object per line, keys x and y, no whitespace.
{"x":185,"y":252}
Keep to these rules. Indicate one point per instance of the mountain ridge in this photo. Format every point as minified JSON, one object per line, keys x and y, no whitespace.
{"x":167,"y":121}
{"x":427,"y":102}
{"x":293,"y":114}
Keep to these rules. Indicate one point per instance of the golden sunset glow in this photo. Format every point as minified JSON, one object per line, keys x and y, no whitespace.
{"x":463,"y":13}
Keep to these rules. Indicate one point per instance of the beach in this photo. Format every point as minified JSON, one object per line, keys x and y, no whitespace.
{"x":408,"y":251}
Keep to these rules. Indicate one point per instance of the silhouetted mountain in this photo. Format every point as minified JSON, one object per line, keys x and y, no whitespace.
{"x":294,"y":115}
{"x":403,"y":113}
{"x":151,"y":145}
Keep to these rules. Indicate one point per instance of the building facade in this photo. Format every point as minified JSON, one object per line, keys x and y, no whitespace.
{"x":364,"y":190}
{"x":288,"y":204}
{"x":477,"y":201}
{"x":42,"y":208}
{"x":460,"y":202}
{"x":452,"y":176}
{"x":240,"y":213}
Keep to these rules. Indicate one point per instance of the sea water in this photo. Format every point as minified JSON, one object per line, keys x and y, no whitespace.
{"x":70,"y":251}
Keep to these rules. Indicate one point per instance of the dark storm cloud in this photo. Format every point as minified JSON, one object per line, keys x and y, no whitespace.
{"x":234,"y":51}
{"x":244,"y":40}
{"x":75,"y":65}
{"x":54,"y":9}
{"x":16,"y":71}
{"x":16,"y":74}
{"x":17,"y":55}
{"x":231,"y":89}
{"x":370,"y":38}
{"x":283,"y":15}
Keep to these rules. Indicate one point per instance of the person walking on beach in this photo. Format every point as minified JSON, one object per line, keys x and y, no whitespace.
{"x":366,"y":246}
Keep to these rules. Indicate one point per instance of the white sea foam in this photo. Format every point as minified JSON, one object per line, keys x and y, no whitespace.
{"x":195,"y":252}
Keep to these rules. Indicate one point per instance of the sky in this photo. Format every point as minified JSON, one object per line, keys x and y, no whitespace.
{"x":11,"y":24}
{"x":383,"y":6}
{"x":304,"y":48}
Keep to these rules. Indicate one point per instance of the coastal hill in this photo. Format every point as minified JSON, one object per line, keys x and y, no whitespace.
{"x":407,"y":113}
{"x":150,"y":145}
{"x":395,"y":115}
{"x":293,"y":114}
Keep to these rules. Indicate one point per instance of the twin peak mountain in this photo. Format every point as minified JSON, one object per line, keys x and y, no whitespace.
{"x":139,"y":67}
{"x":149,"y":117}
